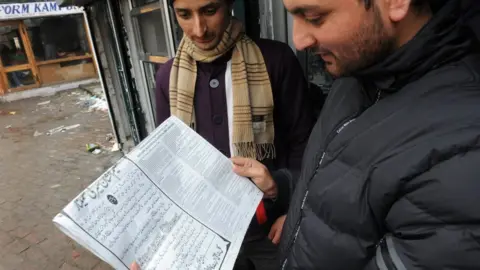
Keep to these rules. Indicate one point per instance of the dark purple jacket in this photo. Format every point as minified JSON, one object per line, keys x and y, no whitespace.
{"x":293,"y":117}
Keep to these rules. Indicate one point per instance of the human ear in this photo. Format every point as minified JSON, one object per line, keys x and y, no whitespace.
{"x":397,"y":9}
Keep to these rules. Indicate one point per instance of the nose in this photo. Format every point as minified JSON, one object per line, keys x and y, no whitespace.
{"x":199,"y":27}
{"x":301,"y":36}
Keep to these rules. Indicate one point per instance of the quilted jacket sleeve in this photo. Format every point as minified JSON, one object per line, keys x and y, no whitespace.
{"x":286,"y":181}
{"x":435,"y":222}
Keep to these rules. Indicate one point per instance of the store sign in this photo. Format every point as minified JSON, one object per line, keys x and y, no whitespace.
{"x":35,"y":9}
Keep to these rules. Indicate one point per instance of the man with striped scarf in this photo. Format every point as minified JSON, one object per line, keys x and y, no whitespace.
{"x":246,"y":97}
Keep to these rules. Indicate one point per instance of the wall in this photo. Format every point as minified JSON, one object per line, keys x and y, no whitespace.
{"x":55,"y":73}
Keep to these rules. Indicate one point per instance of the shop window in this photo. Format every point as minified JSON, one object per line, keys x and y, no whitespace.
{"x":139,"y":3}
{"x":21,"y":78}
{"x":152,"y":33}
{"x":150,"y":75}
{"x":12,"y":49}
{"x":58,"y":37}
{"x":176,"y":29}
{"x":152,"y":44}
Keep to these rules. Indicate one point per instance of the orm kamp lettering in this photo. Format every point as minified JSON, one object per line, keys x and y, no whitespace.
{"x":27,"y":8}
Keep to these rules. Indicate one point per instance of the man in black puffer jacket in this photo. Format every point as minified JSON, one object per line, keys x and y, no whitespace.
{"x":391,"y":175}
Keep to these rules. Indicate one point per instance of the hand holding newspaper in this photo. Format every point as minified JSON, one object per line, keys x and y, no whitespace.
{"x":172,"y":203}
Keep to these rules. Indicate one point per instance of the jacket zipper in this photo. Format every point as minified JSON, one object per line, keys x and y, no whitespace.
{"x":330,"y":137}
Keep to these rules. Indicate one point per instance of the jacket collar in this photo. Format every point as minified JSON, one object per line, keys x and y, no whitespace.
{"x":441,"y":41}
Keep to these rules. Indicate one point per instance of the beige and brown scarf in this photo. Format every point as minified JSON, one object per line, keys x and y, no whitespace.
{"x":253,"y":130}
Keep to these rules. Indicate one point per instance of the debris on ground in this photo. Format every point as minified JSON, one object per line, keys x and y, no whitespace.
{"x":37,"y":134}
{"x":109,"y":137}
{"x":96,"y":148}
{"x":74,"y":169}
{"x":55,"y":130}
{"x":62,"y":129}
{"x":92,"y":147}
{"x":12,"y":129}
{"x":71,"y":127}
{"x":44,"y":103}
{"x":115,"y":148}
{"x":8,"y":113}
{"x":75,"y":255}
{"x":93,"y":98}
{"x":94,"y":104}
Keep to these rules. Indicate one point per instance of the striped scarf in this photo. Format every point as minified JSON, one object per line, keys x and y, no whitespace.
{"x":253,"y":130}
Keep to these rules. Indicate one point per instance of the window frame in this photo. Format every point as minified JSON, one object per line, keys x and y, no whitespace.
{"x":139,"y":57}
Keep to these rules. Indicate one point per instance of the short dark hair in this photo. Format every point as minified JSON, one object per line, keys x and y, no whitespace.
{"x":418,"y":5}
{"x":170,"y":2}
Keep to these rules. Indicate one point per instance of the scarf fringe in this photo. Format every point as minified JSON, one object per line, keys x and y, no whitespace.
{"x":251,"y":89}
{"x":256,"y":151}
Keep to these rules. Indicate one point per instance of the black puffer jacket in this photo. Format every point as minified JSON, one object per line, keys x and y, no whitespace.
{"x":394,"y":184}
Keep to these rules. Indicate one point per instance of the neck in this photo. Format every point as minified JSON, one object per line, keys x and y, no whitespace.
{"x":411,"y":25}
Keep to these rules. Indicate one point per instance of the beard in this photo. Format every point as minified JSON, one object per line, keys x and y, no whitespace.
{"x":369,"y":45}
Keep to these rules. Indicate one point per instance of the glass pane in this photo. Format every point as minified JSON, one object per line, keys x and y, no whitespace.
{"x":58,"y":37}
{"x":139,"y":3}
{"x":177,"y":30}
{"x":317,"y":73}
{"x":20,"y":78}
{"x":150,"y":72}
{"x":12,"y":50}
{"x":152,"y":33}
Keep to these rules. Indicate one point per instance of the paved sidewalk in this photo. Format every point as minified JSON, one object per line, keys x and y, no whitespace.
{"x":40,"y":174}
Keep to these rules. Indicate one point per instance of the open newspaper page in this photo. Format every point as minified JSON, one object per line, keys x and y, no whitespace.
{"x":172,"y":203}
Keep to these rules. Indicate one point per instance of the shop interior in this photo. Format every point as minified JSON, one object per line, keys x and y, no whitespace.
{"x":44,"y":51}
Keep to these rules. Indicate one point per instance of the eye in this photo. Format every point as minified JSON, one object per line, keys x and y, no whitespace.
{"x":183,"y":14}
{"x":314,"y":20}
{"x":210,"y":11}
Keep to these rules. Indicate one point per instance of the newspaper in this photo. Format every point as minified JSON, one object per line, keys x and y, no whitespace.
{"x":172,"y":203}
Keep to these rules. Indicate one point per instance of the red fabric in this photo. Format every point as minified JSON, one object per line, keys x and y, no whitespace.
{"x":261,"y":213}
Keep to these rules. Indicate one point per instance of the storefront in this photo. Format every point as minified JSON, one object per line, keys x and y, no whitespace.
{"x":42,"y":44}
{"x":138,"y":36}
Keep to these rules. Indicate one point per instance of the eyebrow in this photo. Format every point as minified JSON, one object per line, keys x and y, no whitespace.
{"x":209,"y":5}
{"x":301,"y":10}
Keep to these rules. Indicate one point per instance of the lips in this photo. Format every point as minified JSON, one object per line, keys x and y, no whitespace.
{"x":324,"y":54}
{"x":203,"y":41}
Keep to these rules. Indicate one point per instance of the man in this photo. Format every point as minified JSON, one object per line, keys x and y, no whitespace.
{"x":245,"y":97}
{"x":390,"y":178}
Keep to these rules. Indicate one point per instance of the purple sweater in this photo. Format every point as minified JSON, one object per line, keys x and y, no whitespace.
{"x":292,"y":114}
{"x":293,"y":117}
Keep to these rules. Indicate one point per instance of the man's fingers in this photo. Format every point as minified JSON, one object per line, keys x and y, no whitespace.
{"x":248,"y":171}
{"x":242,"y":171}
{"x":134,"y":266}
{"x":276,"y":238}
{"x":240,"y":161}
{"x":271,"y":234}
